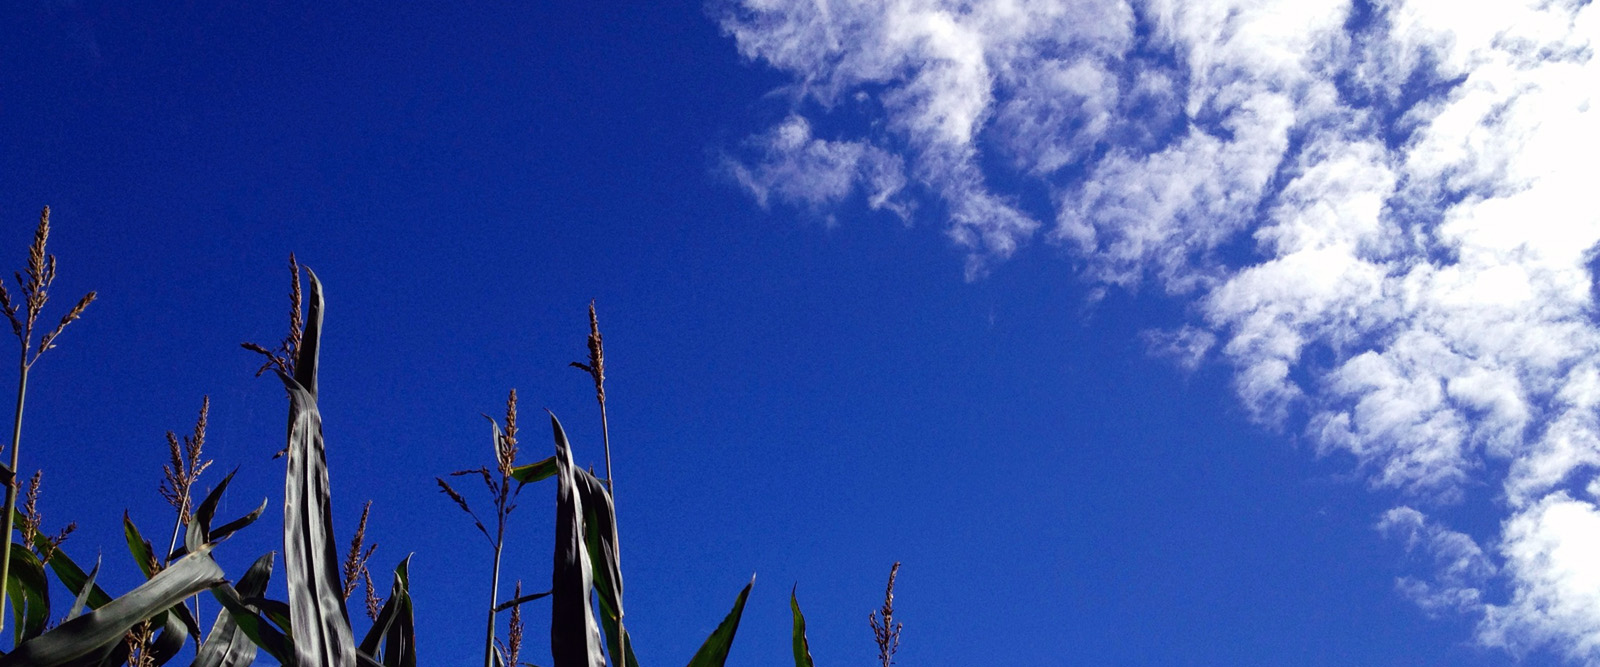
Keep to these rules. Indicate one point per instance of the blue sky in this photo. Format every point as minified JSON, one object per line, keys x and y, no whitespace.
{"x":1164,"y":333}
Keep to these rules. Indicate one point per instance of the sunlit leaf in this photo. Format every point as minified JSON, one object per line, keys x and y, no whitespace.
{"x":534,"y":472}
{"x":91,"y":632}
{"x":319,"y":623}
{"x":30,"y":594}
{"x":85,"y":590}
{"x":802,"y":647}
{"x":169,"y":639}
{"x":600,"y":539}
{"x":574,"y":636}
{"x":138,"y":547}
{"x":714,"y":652}
{"x":400,"y":639}
{"x":255,"y":626}
{"x":227,"y":645}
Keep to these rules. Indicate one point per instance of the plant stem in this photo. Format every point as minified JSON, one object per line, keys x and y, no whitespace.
{"x":172,"y":544}
{"x":494,"y":601}
{"x":11,"y":487}
{"x":605,"y":436}
{"x":494,"y":583}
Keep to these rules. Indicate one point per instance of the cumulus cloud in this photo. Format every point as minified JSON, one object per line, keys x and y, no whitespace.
{"x":1381,"y":215}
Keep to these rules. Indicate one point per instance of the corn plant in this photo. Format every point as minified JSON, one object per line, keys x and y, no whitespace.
{"x":149,"y":625}
{"x":504,"y":497}
{"x":35,"y":292}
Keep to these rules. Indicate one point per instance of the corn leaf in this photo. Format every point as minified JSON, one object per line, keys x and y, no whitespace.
{"x":400,"y":639}
{"x":802,"y":647}
{"x":138,"y":547}
{"x":393,"y":630}
{"x":222,"y":532}
{"x":227,"y":645}
{"x":200,"y":524}
{"x":255,"y":626}
{"x":535,"y":472}
{"x":373,"y":641}
{"x":30,"y":601}
{"x":521,"y":600}
{"x":90,"y":633}
{"x":85,"y":590}
{"x":169,"y":640}
{"x":74,"y":579}
{"x":114,"y":654}
{"x":600,"y":540}
{"x":574,"y":637}
{"x":714,"y":652}
{"x":318,"y":619}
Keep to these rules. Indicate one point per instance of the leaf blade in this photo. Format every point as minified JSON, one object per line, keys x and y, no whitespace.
{"x":91,"y":632}
{"x":802,"y":647}
{"x":574,"y":635}
{"x":319,"y":621}
{"x":714,"y":652}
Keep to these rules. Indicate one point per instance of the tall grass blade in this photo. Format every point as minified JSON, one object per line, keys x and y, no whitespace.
{"x":574,"y":637}
{"x":319,"y":622}
{"x":227,"y":645}
{"x":714,"y":652}
{"x":802,"y":647}
{"x":91,"y":632}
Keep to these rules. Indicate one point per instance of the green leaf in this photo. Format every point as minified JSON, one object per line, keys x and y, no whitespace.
{"x":319,"y":622}
{"x":89,"y":633}
{"x":255,"y":626}
{"x":199,"y":531}
{"x":802,"y":647}
{"x":715,"y":651}
{"x":74,"y":579}
{"x":143,"y":555}
{"x":400,"y":640}
{"x":189,"y":622}
{"x":574,"y":636}
{"x":600,"y":540}
{"x":222,"y":532}
{"x":310,"y":352}
{"x":30,"y":598}
{"x":227,"y":645}
{"x":535,"y":472}
{"x":393,"y":629}
{"x":169,"y":640}
{"x":255,"y":579}
{"x":85,"y":590}
{"x":517,"y":601}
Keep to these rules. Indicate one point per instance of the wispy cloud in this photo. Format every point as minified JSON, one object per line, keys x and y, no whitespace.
{"x":1383,"y":214}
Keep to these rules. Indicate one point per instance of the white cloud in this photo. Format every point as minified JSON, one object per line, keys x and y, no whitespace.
{"x":1459,"y":570}
{"x":1551,"y":549}
{"x":796,"y":168}
{"x":1382,"y":221}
